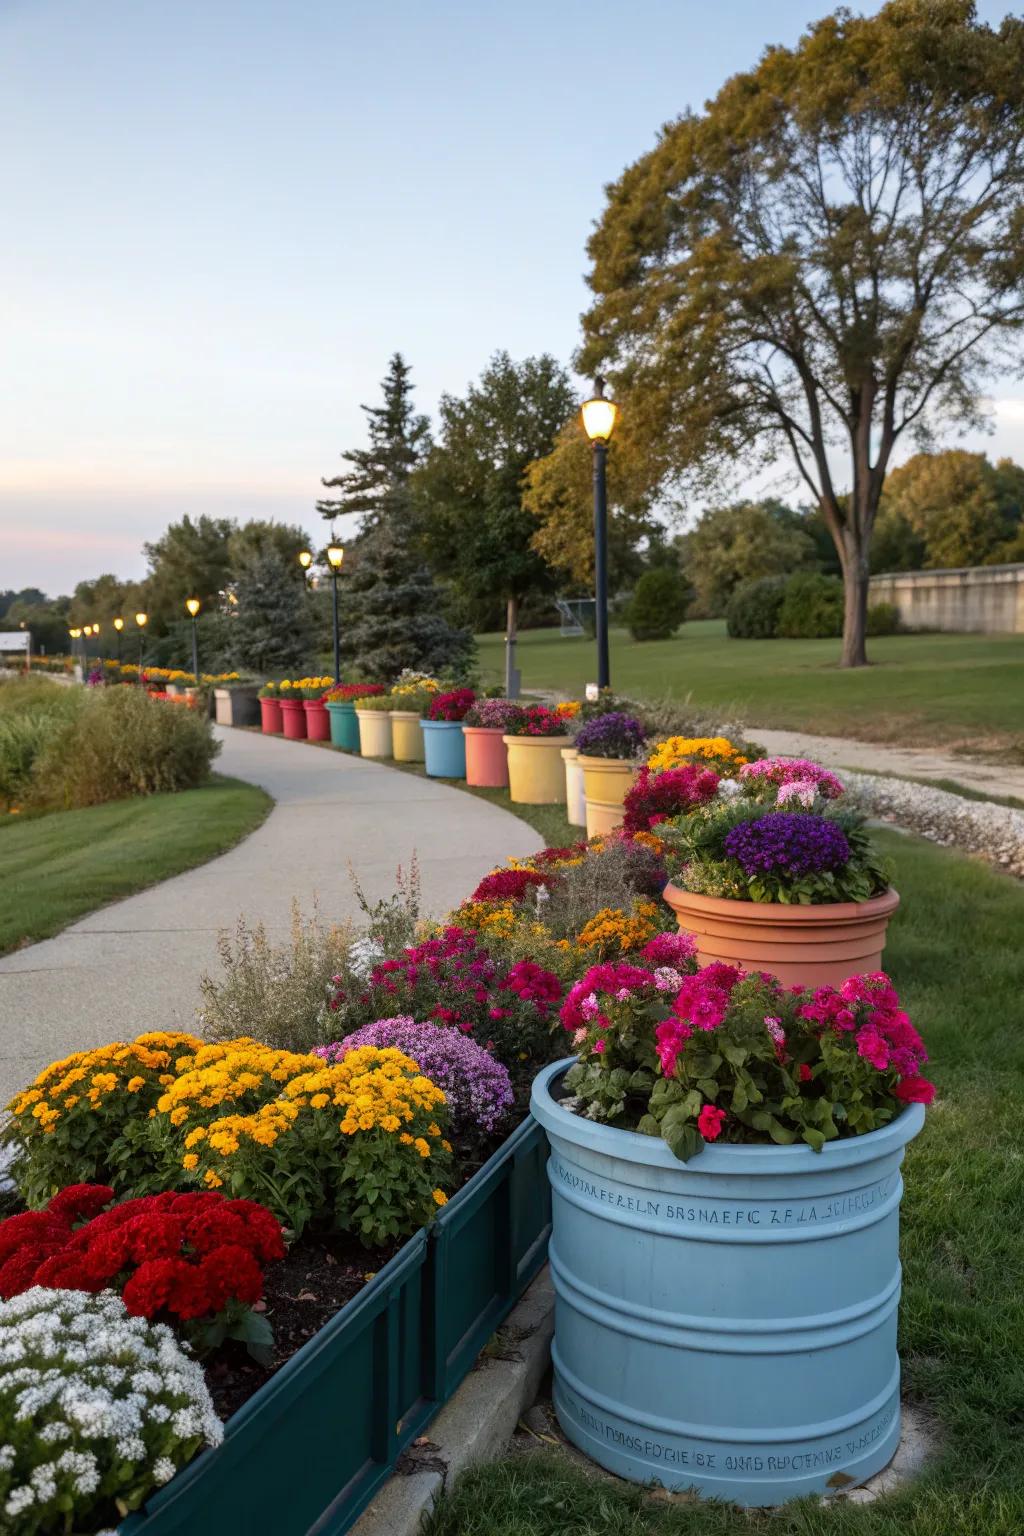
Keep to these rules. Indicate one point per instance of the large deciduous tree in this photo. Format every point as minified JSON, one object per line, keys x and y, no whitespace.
{"x":829,"y":257}
{"x":742,"y":542}
{"x":951,"y":509}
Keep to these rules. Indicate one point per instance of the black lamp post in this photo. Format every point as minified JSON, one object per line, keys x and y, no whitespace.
{"x":118,"y":626}
{"x":193,"y":605}
{"x":140,"y":619}
{"x":599,"y":422}
{"x":335,"y":555}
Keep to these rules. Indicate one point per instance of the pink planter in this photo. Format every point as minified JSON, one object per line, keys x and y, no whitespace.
{"x":270,"y":717}
{"x":294,"y":719}
{"x":318,"y":721}
{"x":486,"y":757}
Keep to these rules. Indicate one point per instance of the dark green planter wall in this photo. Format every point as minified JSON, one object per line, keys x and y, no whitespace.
{"x":306,"y":1453}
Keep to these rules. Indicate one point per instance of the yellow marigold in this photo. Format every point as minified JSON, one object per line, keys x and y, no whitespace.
{"x":422,"y":1146}
{"x":190,"y":1161}
{"x":135,"y":1083}
{"x":211,"y":1180}
{"x":440,"y":1198}
{"x":319,"y":1100}
{"x":674,"y":751}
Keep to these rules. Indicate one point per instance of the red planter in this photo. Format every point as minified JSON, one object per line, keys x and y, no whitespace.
{"x":270,"y":717}
{"x":486,"y":757}
{"x":293,"y":716}
{"x":318,"y":721}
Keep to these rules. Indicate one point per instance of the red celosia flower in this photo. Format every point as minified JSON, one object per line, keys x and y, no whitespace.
{"x":508,"y":884}
{"x":657,"y":796}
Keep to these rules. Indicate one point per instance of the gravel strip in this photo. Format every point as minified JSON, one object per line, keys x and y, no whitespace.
{"x":996,"y":832}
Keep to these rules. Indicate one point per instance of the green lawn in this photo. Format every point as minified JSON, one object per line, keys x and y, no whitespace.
{"x":54,"y":869}
{"x":964,"y":690}
{"x":955,"y":952}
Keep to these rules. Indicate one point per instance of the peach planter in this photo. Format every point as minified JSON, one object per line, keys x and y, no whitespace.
{"x":406,"y":736}
{"x":536,"y":774}
{"x":606,"y":782}
{"x":486,"y":757}
{"x":802,"y":946}
{"x":374,"y":732}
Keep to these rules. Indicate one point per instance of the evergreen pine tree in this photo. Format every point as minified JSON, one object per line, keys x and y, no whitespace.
{"x":272,"y":629}
{"x":390,"y":606}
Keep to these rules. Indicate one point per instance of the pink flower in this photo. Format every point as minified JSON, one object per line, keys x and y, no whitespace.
{"x":709,"y":1122}
{"x":914,"y":1090}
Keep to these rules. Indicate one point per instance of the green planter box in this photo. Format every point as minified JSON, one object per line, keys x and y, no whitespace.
{"x":307,"y":1452}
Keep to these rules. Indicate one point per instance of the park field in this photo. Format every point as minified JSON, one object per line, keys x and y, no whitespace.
{"x":962,"y":691}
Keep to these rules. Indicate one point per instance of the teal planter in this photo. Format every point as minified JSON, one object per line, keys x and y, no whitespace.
{"x":445,"y":749}
{"x":309,"y":1450}
{"x":727,"y":1324}
{"x":344,"y":725}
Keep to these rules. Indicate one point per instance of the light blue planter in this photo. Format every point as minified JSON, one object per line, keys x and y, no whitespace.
{"x":727,"y":1324}
{"x":444,"y":747}
{"x":344,"y":725}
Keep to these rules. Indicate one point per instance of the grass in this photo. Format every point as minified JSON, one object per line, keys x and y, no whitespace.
{"x":54,"y":869}
{"x":955,"y":953}
{"x":964,"y":691}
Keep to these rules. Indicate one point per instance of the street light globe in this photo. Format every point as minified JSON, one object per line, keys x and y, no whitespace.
{"x":599,"y":414}
{"x":76,"y":634}
{"x":305,"y":559}
{"x":95,"y":629}
{"x":193,"y":605}
{"x":119,"y":625}
{"x":87,"y":630}
{"x":140,"y":619}
{"x":335,"y":555}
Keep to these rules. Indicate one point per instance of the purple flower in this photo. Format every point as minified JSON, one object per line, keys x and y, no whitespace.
{"x":478,"y":1088}
{"x":787,"y":843}
{"x":612,"y":735}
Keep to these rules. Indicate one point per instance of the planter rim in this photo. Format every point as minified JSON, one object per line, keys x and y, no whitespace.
{"x":781,"y":911}
{"x":313,"y":704}
{"x":399,"y":714}
{"x":586,"y":761}
{"x":569,"y":754}
{"x":385,"y":713}
{"x":537,"y":741}
{"x":435,"y":725}
{"x":347,"y":704}
{"x":292,"y":703}
{"x":478,"y":730}
{"x":765,"y":1159}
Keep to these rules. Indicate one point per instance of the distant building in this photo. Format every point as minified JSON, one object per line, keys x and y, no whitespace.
{"x":980,"y":599}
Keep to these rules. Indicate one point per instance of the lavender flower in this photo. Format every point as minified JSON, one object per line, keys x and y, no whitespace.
{"x":612,"y":735}
{"x":494,"y":714}
{"x":478,"y":1088}
{"x":787,"y":843}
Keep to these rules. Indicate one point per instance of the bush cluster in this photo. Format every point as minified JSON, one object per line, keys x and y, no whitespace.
{"x":804,"y":606}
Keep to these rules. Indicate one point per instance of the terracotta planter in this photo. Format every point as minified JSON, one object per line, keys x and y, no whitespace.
{"x":406,"y":736}
{"x":271,"y":723}
{"x":606,"y":782}
{"x":318,"y":721}
{"x":293,"y":717}
{"x":575,"y":799}
{"x":536,"y":775}
{"x":486,"y":757}
{"x":374,"y":732}
{"x":802,"y":946}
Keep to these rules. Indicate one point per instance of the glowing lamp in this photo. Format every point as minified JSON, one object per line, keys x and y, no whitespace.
{"x":599,"y":414}
{"x":193,"y":605}
{"x":335,"y":555}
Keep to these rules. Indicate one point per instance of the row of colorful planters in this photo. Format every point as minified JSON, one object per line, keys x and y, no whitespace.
{"x":536,"y":770}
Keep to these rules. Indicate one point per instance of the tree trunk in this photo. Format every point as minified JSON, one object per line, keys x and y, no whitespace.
{"x":511,"y":633}
{"x":855,"y":605}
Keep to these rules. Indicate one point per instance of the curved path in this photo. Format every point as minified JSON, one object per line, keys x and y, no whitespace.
{"x":136,"y":965}
{"x":1000,"y":779}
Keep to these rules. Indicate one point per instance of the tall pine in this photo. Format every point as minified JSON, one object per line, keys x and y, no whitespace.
{"x":390,"y":606}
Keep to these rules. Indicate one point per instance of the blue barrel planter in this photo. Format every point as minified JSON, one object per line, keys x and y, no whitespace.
{"x":444,"y":748}
{"x":344,"y":725}
{"x":727,"y":1324}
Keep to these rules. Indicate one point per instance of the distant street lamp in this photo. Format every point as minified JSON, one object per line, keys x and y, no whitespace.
{"x":140,"y":619}
{"x":119,"y":625}
{"x":335,"y":555}
{"x":193,"y":605}
{"x":87,"y":636}
{"x":599,"y":423}
{"x":305,"y":559}
{"x":76,"y":635}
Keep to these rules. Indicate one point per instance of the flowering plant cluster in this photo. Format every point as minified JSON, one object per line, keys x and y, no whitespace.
{"x":192,"y":1256}
{"x":97,"y":1409}
{"x":611,"y":735}
{"x":614,"y":931}
{"x":411,"y":682}
{"x":789,"y":779}
{"x":453,"y":979}
{"x":716,"y":752}
{"x":304,"y":687}
{"x":736,"y":849}
{"x":537,"y":720}
{"x":494,"y":714}
{"x":717,"y":1053}
{"x":655,"y":797}
{"x":342,"y":692}
{"x":477,"y":1089}
{"x":451,"y":706}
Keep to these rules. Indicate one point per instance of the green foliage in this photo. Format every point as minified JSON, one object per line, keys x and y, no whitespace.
{"x":812,"y":607}
{"x":739,"y":543}
{"x":190,"y":559}
{"x":754,"y":607}
{"x":883,"y":619}
{"x":658,"y":605}
{"x":271,"y":629}
{"x":950,"y":509}
{"x":377,"y":485}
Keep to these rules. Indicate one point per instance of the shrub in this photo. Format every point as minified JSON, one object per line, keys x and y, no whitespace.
{"x":658,"y":605}
{"x":812,"y":608}
{"x":124,"y":743}
{"x":477,"y":1089}
{"x":753,"y":609}
{"x":611,"y":735}
{"x":97,"y":1409}
{"x":717,"y":1054}
{"x":197,"y":1257}
{"x":883,"y":619}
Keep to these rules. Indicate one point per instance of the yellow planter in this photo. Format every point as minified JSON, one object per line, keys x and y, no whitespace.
{"x":606,"y":783}
{"x":406,"y":736}
{"x":374,"y":732}
{"x":536,"y":773}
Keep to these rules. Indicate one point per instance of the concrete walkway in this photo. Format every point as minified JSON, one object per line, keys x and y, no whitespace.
{"x":909,"y":762}
{"x":136,"y":965}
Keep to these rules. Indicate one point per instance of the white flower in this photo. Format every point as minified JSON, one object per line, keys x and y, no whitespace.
{"x":163,"y":1469}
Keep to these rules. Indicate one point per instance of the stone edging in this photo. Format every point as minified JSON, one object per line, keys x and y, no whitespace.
{"x":996,"y":832}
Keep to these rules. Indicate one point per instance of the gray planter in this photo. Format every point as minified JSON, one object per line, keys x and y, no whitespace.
{"x":237,"y":706}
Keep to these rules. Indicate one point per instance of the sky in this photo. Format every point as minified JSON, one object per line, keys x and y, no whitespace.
{"x":221,"y":217}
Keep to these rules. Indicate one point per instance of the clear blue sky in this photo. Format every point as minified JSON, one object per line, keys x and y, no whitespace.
{"x":221,"y":217}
